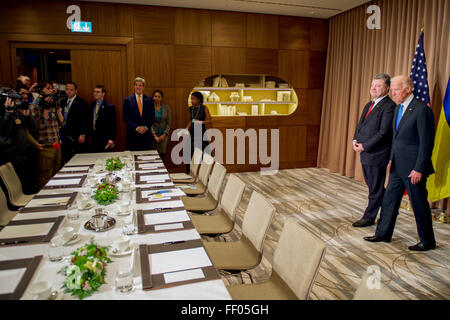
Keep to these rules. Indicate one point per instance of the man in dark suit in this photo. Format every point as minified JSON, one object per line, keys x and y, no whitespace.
{"x":76,"y":124}
{"x":139,"y":115}
{"x":410,"y":166}
{"x":103,"y":120}
{"x":372,"y":139}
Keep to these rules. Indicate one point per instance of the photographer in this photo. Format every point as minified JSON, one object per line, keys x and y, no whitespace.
{"x":18,"y":130}
{"x":49,"y":118}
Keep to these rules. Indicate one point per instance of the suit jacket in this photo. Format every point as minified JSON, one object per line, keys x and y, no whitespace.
{"x":105,"y":127}
{"x":375,"y":133}
{"x":77,"y":123}
{"x":412,"y":144}
{"x":133,"y":119}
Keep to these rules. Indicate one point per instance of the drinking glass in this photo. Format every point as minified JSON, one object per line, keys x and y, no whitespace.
{"x":55,"y":249}
{"x":129,"y":225}
{"x":72,"y":213}
{"x":124,"y":281}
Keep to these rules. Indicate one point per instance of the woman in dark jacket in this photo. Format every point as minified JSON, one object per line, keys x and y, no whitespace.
{"x":161,"y":127}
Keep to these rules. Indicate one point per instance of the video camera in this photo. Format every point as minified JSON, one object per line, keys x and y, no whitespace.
{"x":15,"y":97}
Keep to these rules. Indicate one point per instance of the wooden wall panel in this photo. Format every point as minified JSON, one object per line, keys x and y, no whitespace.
{"x":294,"y":67}
{"x":261,"y":61}
{"x":155,"y":63}
{"x":175,"y":48}
{"x":262,"y":31}
{"x":192,"y":27}
{"x":228,"y":60}
{"x":92,"y":67}
{"x":295,"y":33}
{"x":154,"y":24}
{"x":317,"y":61}
{"x":192,"y":64}
{"x":229,"y":29}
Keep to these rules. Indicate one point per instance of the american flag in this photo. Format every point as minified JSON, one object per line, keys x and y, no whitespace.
{"x":419,"y":74}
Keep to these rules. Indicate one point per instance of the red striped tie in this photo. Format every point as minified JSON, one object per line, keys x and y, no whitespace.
{"x":370,"y":109}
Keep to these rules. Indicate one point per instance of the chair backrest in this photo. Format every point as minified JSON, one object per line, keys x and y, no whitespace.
{"x":195,"y":161}
{"x":11,"y":180}
{"x":5,"y":213}
{"x":257,"y":219}
{"x":232,"y":195}
{"x":375,"y":291}
{"x":205,"y":168}
{"x":216,"y":180}
{"x":297,"y":258}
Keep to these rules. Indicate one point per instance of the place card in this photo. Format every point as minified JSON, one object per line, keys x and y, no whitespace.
{"x":172,"y":264}
{"x":50,"y":202}
{"x":30,"y":231}
{"x":65,"y":182}
{"x":15,"y":276}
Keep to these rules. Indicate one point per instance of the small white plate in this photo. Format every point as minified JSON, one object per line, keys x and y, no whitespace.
{"x":119,"y":213}
{"x":74,"y":241}
{"x":123,"y":253}
{"x":89,"y":206}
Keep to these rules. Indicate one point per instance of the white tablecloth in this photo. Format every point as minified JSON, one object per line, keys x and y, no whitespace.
{"x":205,"y":290}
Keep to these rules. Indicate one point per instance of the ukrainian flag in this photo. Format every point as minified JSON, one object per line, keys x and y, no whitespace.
{"x":438,"y":184}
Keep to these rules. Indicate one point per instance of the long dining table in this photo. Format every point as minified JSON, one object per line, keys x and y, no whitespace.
{"x":180,"y":270}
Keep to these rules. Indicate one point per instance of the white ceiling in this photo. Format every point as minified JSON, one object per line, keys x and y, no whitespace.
{"x":301,"y":8}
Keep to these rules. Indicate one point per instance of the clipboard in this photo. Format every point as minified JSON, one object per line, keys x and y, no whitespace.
{"x":30,"y":264}
{"x":45,"y":208}
{"x":140,"y":174}
{"x":76,"y":169}
{"x":145,"y":228}
{"x":152,"y":281}
{"x":27,"y":240}
{"x":67,"y":186}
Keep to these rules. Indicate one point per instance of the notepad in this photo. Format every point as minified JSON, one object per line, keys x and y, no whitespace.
{"x":166,"y":217}
{"x":26,"y":230}
{"x":183,"y":275}
{"x":179,"y":260}
{"x":155,"y":178}
{"x":9,"y":279}
{"x":164,"y":204}
{"x":48,"y":201}
{"x":171,"y":226}
{"x":63,"y":182}
{"x":148,"y":157}
{"x":171,"y":193}
{"x":76,"y":168}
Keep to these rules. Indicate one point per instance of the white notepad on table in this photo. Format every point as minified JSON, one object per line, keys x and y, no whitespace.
{"x":179,"y":260}
{"x":9,"y":279}
{"x":26,"y":230}
{"x":63,"y":182}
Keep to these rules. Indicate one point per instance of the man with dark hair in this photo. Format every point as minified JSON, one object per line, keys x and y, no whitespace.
{"x":76,"y":123}
{"x":372,"y":140}
{"x":103,"y":121}
{"x":49,"y":118}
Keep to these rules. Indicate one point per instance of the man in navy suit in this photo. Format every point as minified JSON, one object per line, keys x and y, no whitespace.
{"x":103,"y":122}
{"x":410,"y":165}
{"x":139,"y":115}
{"x":372,"y":139}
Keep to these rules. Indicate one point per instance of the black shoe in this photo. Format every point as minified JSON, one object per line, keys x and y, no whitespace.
{"x":376,"y":239}
{"x":362,"y":223}
{"x":421,"y":247}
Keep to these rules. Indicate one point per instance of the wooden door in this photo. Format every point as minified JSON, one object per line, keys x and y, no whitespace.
{"x":91,"y":67}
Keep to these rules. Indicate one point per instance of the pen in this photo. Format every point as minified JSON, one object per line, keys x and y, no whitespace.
{"x":172,"y":242}
{"x":13,"y":242}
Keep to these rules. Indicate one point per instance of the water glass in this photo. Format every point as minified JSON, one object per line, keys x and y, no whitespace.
{"x":124,"y":280}
{"x":129,"y":225}
{"x":86,"y":191}
{"x":55,"y":249}
{"x":72,"y":213}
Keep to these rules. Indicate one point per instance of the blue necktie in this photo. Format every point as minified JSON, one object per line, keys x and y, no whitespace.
{"x":399,"y":116}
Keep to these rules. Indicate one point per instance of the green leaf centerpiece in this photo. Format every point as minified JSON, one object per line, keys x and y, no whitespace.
{"x":106,"y":194}
{"x":114,"y":164}
{"x":87,"y":270}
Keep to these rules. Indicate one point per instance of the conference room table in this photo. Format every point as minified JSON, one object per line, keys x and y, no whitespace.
{"x":162,"y":229}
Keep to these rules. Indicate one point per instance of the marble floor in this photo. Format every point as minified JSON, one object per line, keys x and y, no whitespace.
{"x":327,"y":204}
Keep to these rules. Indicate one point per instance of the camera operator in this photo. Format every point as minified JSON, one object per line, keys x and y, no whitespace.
{"x":49,"y":118}
{"x":19,"y":149}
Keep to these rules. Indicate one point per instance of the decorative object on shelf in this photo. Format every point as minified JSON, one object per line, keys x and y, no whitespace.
{"x":87,"y":270}
{"x":284,"y":96}
{"x":201,"y":83}
{"x":255,"y":110}
{"x":274,"y":112}
{"x":227,"y":110}
{"x":106,"y":194}
{"x":216,"y":81}
{"x":235,"y":97}
{"x":223,"y":83}
{"x":213,"y":97}
{"x":270,"y":84}
{"x":114,"y":164}
{"x":283,"y":85}
{"x":261,"y":109}
{"x":247,"y":99}
{"x":239,"y":85}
